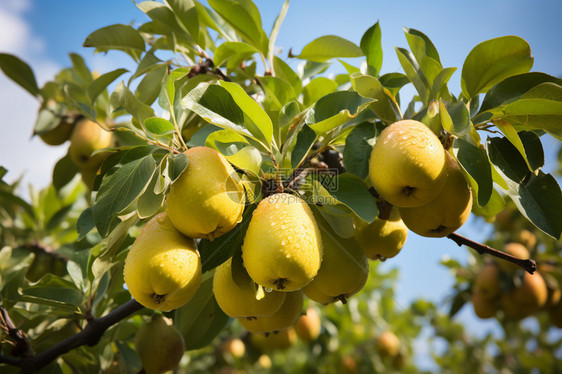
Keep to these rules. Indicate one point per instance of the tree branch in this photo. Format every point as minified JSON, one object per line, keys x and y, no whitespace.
{"x":22,"y":346}
{"x":528,"y":265}
{"x":89,"y":336}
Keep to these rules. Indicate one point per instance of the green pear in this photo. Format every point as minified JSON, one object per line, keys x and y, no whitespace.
{"x":159,"y":345}
{"x":88,"y":137}
{"x":382,"y":238}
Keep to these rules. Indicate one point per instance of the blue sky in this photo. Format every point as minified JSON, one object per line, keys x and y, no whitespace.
{"x":44,"y":32}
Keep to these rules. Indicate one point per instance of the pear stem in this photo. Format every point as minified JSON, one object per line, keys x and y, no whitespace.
{"x":528,"y":265}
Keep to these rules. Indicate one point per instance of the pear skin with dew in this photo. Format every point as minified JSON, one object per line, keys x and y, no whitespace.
{"x":159,"y":345}
{"x":525,"y":298}
{"x":284,"y":318}
{"x":162,"y":269}
{"x":406,"y":164}
{"x":381,"y":238}
{"x":88,"y":137}
{"x":282,"y":248}
{"x":207,"y":199}
{"x":344,"y":270}
{"x":448,"y":211}
{"x":237,"y":298}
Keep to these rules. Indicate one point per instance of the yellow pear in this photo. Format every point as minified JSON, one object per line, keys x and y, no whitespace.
{"x":237,"y":296}
{"x":406,"y":164}
{"x":278,"y":340}
{"x":487,"y":282}
{"x":516,"y":250}
{"x":159,"y":345}
{"x":88,"y":137}
{"x":448,"y":211}
{"x":207,"y":199}
{"x":527,"y":238}
{"x":282,"y":248}
{"x":483,"y":306}
{"x":308,"y":325}
{"x":382,"y":238}
{"x":344,"y":270}
{"x":525,"y":299}
{"x":163,"y":269}
{"x":284,"y":318}
{"x":388,"y":344}
{"x":234,"y":347}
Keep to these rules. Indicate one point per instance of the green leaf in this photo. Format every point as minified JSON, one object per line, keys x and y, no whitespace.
{"x":120,"y":189}
{"x":476,"y":164}
{"x":317,"y":88}
{"x":413,"y":72}
{"x":492,"y":61}
{"x":176,"y":165}
{"x":455,"y":119}
{"x":63,"y":172}
{"x":244,"y":17}
{"x":85,"y":223}
{"x":159,"y":126}
{"x":151,"y":85}
{"x":53,"y":290}
{"x":335,"y":109}
{"x":352,"y":191}
{"x":201,"y":319}
{"x":495,"y":205}
{"x":394,"y":81}
{"x":186,"y":12}
{"x":372,"y":48}
{"x":284,"y":72}
{"x":277,"y":93}
{"x":236,"y":149}
{"x":122,"y":98}
{"x":256,"y":119}
{"x":425,"y":54}
{"x":329,"y":46}
{"x":385,"y":106}
{"x":512,"y":88}
{"x":20,"y":72}
{"x":275,"y":31}
{"x":234,"y":53}
{"x":440,"y":83}
{"x":121,"y":37}
{"x":149,"y":201}
{"x":80,"y":68}
{"x":100,"y":84}
{"x":305,"y":140}
{"x":357,"y":151}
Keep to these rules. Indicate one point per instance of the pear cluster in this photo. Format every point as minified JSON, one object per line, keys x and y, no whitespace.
{"x":411,"y":170}
{"x":503,"y":287}
{"x":86,"y":138}
{"x":163,"y":267}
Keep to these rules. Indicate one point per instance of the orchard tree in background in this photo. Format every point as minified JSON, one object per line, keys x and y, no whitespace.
{"x":231,"y":213}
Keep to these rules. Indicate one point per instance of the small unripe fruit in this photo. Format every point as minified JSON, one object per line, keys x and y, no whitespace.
{"x":234,"y":347}
{"x":388,"y":344}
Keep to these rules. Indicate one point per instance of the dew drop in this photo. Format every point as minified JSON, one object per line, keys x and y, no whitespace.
{"x":268,"y":290}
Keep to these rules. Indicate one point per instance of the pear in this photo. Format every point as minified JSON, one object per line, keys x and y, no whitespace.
{"x":487,"y":282}
{"x":308,"y":325}
{"x":234,"y":347}
{"x":59,"y":134}
{"x":407,"y":163}
{"x":162,"y":269}
{"x":483,"y":307}
{"x":388,"y":344}
{"x":525,"y":299}
{"x":282,"y":248}
{"x":344,"y":270}
{"x":284,"y":318}
{"x":382,"y":238}
{"x":159,"y":345}
{"x":207,"y":199}
{"x":88,"y":137}
{"x":278,"y":340}
{"x":448,"y":211}
{"x":237,"y":298}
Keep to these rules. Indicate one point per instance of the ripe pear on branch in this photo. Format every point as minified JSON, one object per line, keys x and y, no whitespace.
{"x":87,"y":138}
{"x":236,"y":293}
{"x":282,"y":248}
{"x":448,"y":211}
{"x":382,"y":237}
{"x":344,"y":270}
{"x":207,"y":199}
{"x":163,"y":268}
{"x":527,"y":297}
{"x":407,"y":163}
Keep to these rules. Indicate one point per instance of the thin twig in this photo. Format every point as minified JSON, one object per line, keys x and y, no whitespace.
{"x":528,"y":265}
{"x":22,"y":344}
{"x":90,"y":336}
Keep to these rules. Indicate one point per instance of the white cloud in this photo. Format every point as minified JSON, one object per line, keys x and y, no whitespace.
{"x":20,"y":154}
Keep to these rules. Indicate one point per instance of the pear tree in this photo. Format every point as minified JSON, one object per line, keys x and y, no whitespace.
{"x":223,"y":188}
